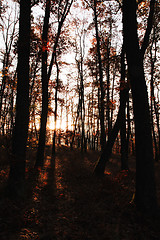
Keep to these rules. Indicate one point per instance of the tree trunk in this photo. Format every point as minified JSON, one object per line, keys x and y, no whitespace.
{"x":153,"y":104}
{"x":145,"y":197}
{"x":124,"y":147}
{"x":101,"y":110}
{"x":20,"y":133}
{"x":42,"y":134}
{"x":112,"y":94}
{"x":55,"y":111}
{"x":108,"y":86}
{"x":128,"y":125}
{"x":100,"y":167}
{"x":152,"y":116}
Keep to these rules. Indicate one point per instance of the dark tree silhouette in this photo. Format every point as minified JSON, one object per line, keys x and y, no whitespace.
{"x":106,"y":153}
{"x":102,"y":95}
{"x":20,"y":132}
{"x":42,"y":134}
{"x":145,"y":197}
{"x":55,"y":110}
{"x":47,"y":72}
{"x":124,"y":146}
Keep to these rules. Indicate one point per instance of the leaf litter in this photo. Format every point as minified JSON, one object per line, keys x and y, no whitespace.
{"x":65,"y":201}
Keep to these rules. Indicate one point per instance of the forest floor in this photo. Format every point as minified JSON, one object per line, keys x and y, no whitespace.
{"x":65,"y":201}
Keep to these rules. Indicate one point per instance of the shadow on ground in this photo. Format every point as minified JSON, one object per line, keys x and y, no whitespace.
{"x":65,"y":201}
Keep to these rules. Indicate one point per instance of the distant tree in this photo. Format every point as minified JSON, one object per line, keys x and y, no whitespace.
{"x":104,"y":56}
{"x":20,"y":133}
{"x":8,"y":24}
{"x":80,"y":58}
{"x":94,"y":96}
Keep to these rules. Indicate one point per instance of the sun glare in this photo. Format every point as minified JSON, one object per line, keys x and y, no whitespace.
{"x":59,"y":125}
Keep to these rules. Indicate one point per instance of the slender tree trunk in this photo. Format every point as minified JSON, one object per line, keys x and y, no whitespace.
{"x":152,"y":117}
{"x":6,"y":61}
{"x":75,"y":125}
{"x":42,"y":134}
{"x":128,"y":125}
{"x":100,"y":167}
{"x":154,"y":105}
{"x":67,"y":107}
{"x":55,"y":111}
{"x":101,"y":110}
{"x":11,"y":112}
{"x":112,"y":94}
{"x":124,"y":149}
{"x":108,"y":87}
{"x":82,"y":105}
{"x":47,"y":74}
{"x":20,"y":134}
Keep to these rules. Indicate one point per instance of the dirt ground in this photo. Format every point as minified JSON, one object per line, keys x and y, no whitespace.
{"x":65,"y":201}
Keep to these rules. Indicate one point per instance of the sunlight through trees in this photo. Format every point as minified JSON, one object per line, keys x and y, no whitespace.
{"x":83,"y":75}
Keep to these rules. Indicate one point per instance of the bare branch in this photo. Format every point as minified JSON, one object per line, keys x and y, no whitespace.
{"x":148,"y":30}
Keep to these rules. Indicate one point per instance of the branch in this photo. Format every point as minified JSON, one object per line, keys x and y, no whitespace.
{"x":120,"y":3}
{"x":34,"y":2}
{"x":148,"y":30}
{"x":64,"y":15}
{"x":89,"y":5}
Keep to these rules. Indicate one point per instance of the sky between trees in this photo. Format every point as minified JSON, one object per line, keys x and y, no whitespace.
{"x":78,"y":20}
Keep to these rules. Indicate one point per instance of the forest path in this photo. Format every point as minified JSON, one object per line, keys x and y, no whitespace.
{"x":66,"y":202}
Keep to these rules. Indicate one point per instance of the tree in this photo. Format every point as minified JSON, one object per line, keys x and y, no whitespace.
{"x":79,"y":58}
{"x":106,"y":153}
{"x":63,"y":11}
{"x":8,"y":25}
{"x":145,"y":197}
{"x":20,"y":133}
{"x":55,"y":110}
{"x":101,"y":110}
{"x":42,"y":134}
{"x":124,"y":146}
{"x":154,"y":72}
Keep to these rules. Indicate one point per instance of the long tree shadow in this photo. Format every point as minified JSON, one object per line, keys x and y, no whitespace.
{"x":33,"y":216}
{"x":40,"y":216}
{"x":93,"y":208}
{"x":65,"y":201}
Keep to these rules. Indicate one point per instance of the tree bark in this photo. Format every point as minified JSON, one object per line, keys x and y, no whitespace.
{"x":47,"y":74}
{"x":124,"y":147}
{"x":145,"y":197}
{"x":101,"y":110}
{"x":153,"y":103}
{"x":100,"y":167}
{"x":20,"y":133}
{"x":108,"y":86}
{"x":42,"y":134}
{"x":55,"y":110}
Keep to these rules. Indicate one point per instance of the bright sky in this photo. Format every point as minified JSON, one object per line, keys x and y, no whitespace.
{"x":82,"y":15}
{"x":69,"y":57}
